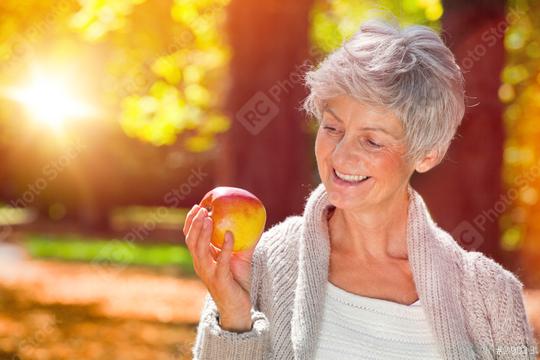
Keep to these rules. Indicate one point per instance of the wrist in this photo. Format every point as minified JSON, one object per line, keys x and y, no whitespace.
{"x":235,"y":322}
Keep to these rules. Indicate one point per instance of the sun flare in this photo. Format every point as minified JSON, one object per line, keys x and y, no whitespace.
{"x":50,"y":100}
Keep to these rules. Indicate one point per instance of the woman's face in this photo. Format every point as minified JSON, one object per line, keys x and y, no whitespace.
{"x":360,"y":140}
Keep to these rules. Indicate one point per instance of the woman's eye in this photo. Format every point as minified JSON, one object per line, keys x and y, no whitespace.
{"x":330,"y":129}
{"x":373,"y":144}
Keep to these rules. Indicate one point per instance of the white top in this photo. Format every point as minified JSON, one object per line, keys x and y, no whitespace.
{"x":360,"y":327}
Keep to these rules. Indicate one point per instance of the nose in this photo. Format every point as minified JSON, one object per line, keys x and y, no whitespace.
{"x":346,"y":156}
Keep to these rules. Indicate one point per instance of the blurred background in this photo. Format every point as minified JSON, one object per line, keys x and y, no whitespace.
{"x":117,"y":116}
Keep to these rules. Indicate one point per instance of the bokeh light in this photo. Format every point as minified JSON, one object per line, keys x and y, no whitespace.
{"x":49,"y":99}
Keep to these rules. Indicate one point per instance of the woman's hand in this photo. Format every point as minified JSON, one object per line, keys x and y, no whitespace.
{"x":226,"y":275}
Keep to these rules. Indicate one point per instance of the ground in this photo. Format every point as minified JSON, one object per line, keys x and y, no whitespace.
{"x":75,"y":310}
{"x":59,"y":310}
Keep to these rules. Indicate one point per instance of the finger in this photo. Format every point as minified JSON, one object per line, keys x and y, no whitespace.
{"x":193,"y":233}
{"x":189,"y":218}
{"x":214,"y":251}
{"x":203,"y":244}
{"x":224,"y":257}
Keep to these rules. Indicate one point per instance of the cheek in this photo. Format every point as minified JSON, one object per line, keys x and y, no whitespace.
{"x":388,"y":165}
{"x":323,"y":147}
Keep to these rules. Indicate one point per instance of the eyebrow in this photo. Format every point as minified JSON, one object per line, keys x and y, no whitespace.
{"x":372,"y":128}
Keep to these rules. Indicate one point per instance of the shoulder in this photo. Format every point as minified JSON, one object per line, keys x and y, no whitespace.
{"x":489,"y":274}
{"x":476,"y":266}
{"x":490,"y":292}
{"x":481,"y":275}
{"x":499,"y":289}
{"x":501,"y":293}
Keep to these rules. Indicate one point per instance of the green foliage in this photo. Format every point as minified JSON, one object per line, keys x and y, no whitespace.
{"x":78,"y":248}
{"x":158,"y":68}
{"x":24,"y":27}
{"x":162,"y":65}
{"x":98,"y":17}
{"x":180,"y":89}
{"x":336,"y":20}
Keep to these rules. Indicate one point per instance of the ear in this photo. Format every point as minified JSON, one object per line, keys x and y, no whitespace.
{"x":428,"y":161}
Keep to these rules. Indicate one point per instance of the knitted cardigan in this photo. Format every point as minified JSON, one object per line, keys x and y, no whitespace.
{"x":473,"y":305}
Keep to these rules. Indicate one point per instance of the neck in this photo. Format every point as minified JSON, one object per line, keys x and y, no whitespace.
{"x":379,"y":232}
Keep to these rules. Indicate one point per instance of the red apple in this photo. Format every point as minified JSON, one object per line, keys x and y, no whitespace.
{"x":238,"y":211}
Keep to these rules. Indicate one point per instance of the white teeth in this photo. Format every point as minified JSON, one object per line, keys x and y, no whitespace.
{"x":351,"y":178}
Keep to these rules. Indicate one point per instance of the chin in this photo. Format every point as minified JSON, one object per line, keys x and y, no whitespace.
{"x":341,"y":202}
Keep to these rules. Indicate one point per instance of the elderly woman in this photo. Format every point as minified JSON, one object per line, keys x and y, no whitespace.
{"x":364,"y":273}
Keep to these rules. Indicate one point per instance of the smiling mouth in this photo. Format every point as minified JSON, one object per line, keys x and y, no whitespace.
{"x":348,"y":179}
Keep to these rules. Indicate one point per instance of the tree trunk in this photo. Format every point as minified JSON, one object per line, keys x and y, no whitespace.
{"x":464,"y":193}
{"x":267,"y":149}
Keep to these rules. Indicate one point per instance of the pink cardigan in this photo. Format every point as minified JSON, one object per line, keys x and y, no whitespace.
{"x":474,"y":306}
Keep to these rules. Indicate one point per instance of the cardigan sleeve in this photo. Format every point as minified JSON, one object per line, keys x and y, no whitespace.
{"x":213,"y":342}
{"x":503,"y":296}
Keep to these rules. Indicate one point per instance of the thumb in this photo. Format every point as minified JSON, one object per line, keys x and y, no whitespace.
{"x":224,"y":256}
{"x":229,"y":240}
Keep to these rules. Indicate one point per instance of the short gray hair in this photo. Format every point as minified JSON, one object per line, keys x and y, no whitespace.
{"x":409,"y":71}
